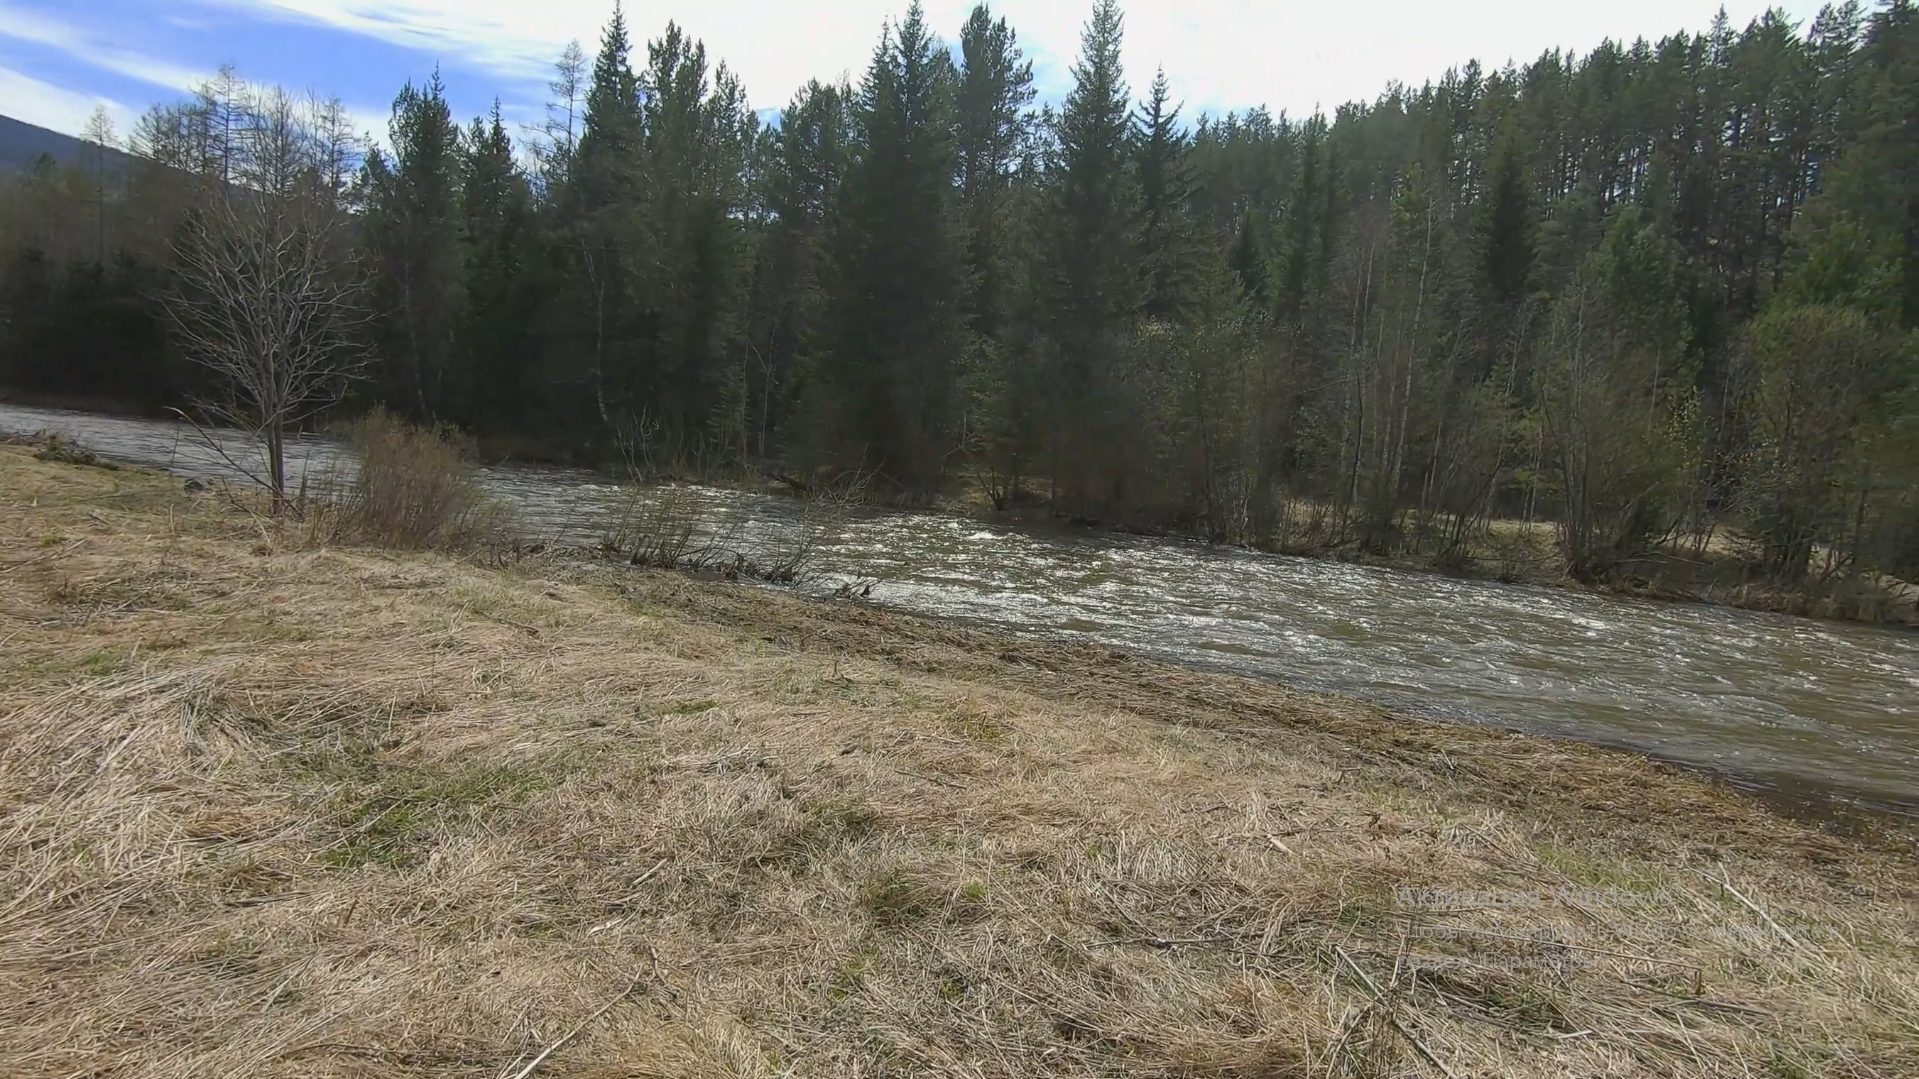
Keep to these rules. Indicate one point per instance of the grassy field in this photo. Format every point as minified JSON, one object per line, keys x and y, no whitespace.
{"x":274,"y":809}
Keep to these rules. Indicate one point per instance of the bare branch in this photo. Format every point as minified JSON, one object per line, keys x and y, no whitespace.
{"x":269,"y":293}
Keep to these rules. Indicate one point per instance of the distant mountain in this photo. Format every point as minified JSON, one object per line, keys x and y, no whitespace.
{"x":21,"y":144}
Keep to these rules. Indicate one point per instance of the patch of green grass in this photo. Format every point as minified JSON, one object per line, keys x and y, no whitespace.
{"x":979,"y":728}
{"x":1365,"y":905}
{"x":1527,"y":1005}
{"x":840,"y":819}
{"x":352,"y":758}
{"x":1599,"y":872}
{"x":848,"y":979}
{"x":102,"y":663}
{"x":825,"y":826}
{"x":392,"y":824}
{"x":953,"y":984}
{"x":1782,"y":1067}
{"x":970,"y":902}
{"x":690,"y":708}
{"x":894,"y":899}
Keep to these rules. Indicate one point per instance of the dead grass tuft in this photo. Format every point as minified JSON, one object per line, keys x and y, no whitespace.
{"x":336,"y":812}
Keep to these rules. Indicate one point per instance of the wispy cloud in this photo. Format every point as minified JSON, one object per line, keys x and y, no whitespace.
{"x":54,"y":108}
{"x":519,"y":40}
{"x":91,"y":49}
{"x":1218,"y":54}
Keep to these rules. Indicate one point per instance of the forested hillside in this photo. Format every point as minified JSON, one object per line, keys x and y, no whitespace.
{"x":1662,"y":294}
{"x":23,"y":145}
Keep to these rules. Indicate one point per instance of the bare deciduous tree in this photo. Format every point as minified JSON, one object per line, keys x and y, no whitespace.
{"x":268,"y":296}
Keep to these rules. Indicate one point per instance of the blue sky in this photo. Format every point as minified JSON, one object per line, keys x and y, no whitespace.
{"x":59,"y":59}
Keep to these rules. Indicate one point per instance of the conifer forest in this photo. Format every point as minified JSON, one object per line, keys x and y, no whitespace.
{"x":1660,"y":297}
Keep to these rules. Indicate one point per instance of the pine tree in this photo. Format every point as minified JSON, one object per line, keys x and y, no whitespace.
{"x":1858,"y":242}
{"x":804,"y":160}
{"x":995,"y":90}
{"x":1248,"y":257}
{"x":1170,"y":249}
{"x":698,"y":134}
{"x":413,"y":225}
{"x":1091,"y":290}
{"x":992,"y":142}
{"x":598,"y":223}
{"x":1301,"y":253}
{"x":1504,"y":231}
{"x":495,"y":334}
{"x":897,"y":284}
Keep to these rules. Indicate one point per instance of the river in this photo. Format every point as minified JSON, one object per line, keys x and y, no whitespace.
{"x":1821,"y":713}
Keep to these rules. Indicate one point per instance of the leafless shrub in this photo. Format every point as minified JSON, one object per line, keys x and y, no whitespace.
{"x":62,"y":450}
{"x":412,"y":488}
{"x":653,"y":527}
{"x":267,"y":296}
{"x":663,"y":528}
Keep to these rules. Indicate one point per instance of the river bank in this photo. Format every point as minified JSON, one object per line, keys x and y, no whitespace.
{"x":273,"y":809}
{"x":1801,"y":706}
{"x":1508,"y":551}
{"x":1527,"y":552}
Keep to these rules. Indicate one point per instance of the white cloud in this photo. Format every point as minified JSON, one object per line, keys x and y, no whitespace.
{"x":59,"y":103}
{"x":1289,"y":54}
{"x":1296,"y":55}
{"x":45,"y":105}
{"x":91,"y":49}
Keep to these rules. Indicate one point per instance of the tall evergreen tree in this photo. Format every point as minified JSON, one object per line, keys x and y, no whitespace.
{"x":1504,"y":230}
{"x":1248,"y":257}
{"x":995,"y":90}
{"x":804,"y":160}
{"x":992,"y":141}
{"x":495,"y":334}
{"x":697,"y":136}
{"x":898,"y":281}
{"x":1301,"y":256}
{"x":1091,"y":287}
{"x":598,"y":224}
{"x":413,"y":223}
{"x":1170,"y":249}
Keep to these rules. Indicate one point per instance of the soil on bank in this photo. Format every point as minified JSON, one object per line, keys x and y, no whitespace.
{"x":268,"y":809}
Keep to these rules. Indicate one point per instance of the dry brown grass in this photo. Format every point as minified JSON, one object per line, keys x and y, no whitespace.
{"x":271,"y":810}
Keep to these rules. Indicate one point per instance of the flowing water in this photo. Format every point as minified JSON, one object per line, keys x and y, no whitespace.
{"x":1820,"y":712}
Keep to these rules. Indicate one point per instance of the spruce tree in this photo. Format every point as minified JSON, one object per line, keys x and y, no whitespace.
{"x":995,"y":90}
{"x":1248,"y":257}
{"x":495,"y":333}
{"x":698,"y":134}
{"x":1169,"y":245}
{"x":897,"y":282}
{"x":804,"y":161}
{"x":1301,"y":250}
{"x":412,"y":223}
{"x":1504,"y":230}
{"x":992,"y":128}
{"x":598,"y":226}
{"x":1091,"y":290}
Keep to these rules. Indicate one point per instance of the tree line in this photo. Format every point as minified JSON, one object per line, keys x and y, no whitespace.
{"x":1662,"y":295}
